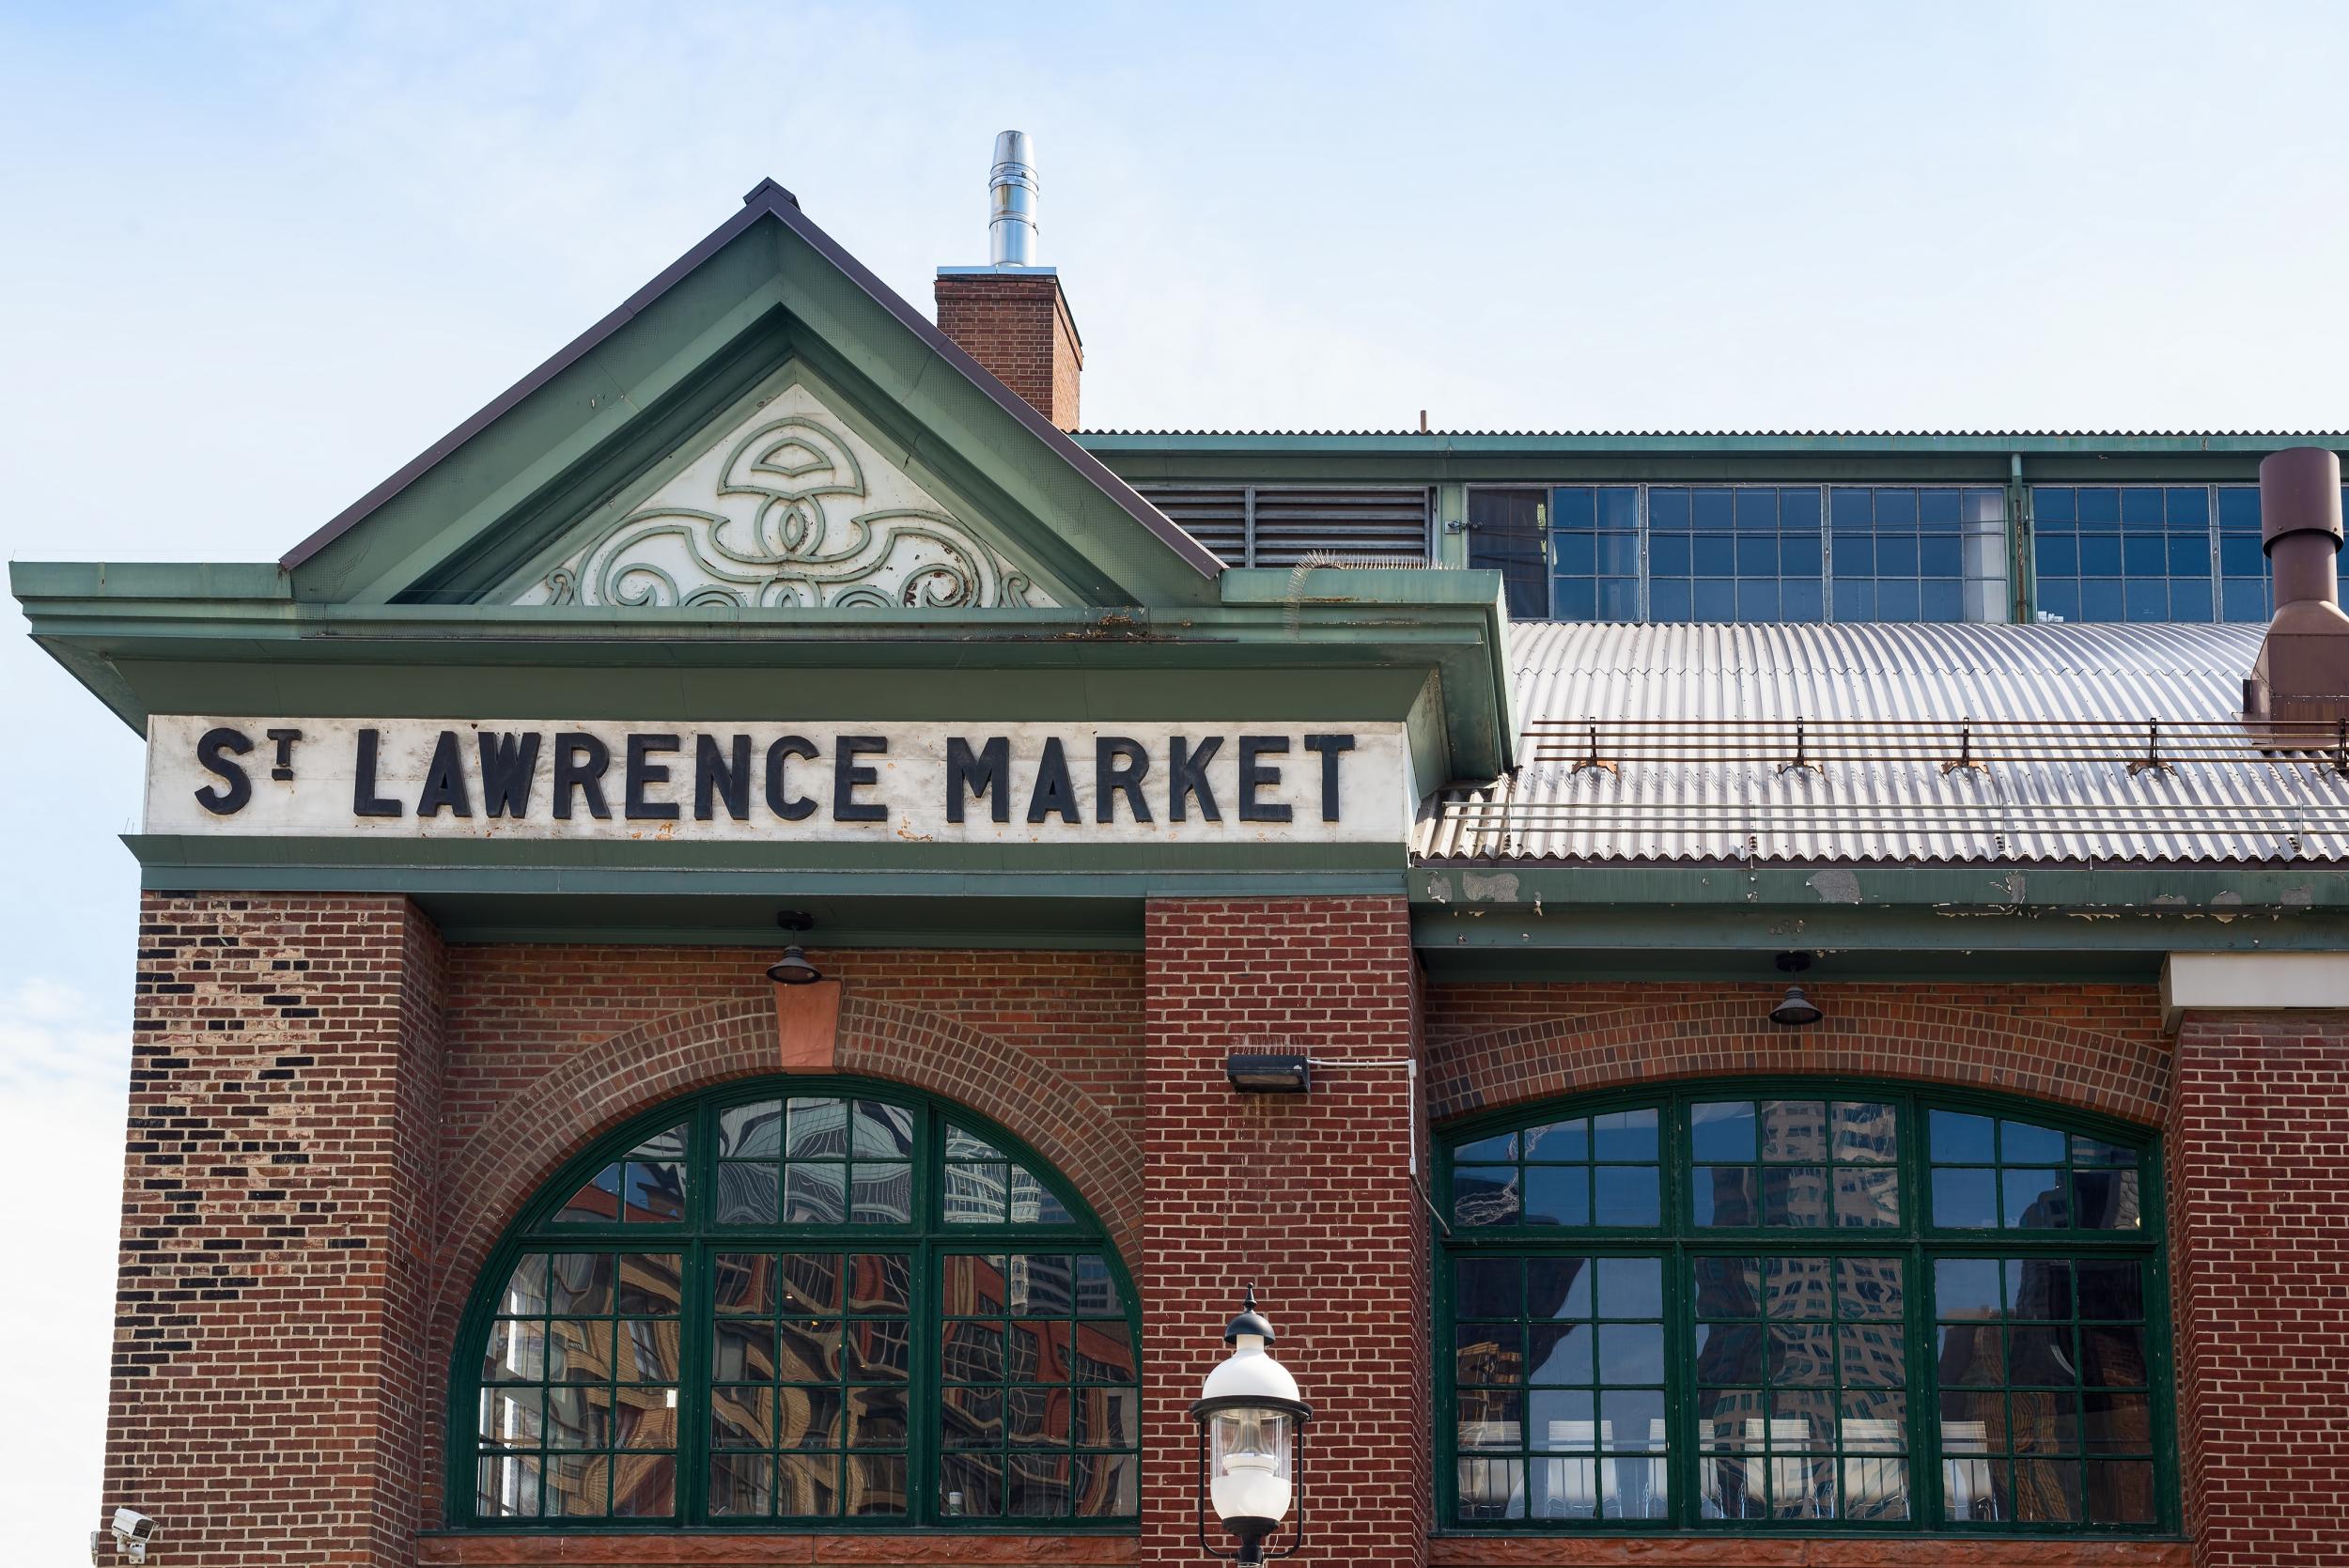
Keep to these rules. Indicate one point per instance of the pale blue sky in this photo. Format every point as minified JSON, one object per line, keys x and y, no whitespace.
{"x":253,"y":258}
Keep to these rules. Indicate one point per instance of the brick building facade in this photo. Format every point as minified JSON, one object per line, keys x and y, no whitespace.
{"x":467,"y":1126}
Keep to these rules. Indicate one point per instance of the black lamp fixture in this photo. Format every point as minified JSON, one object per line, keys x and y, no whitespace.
{"x":1259,"y":1073}
{"x":793,"y":969}
{"x":1251,"y":1442}
{"x":1796,"y":1011}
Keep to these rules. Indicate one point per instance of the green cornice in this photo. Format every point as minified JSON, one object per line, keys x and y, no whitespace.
{"x":1424,"y":646}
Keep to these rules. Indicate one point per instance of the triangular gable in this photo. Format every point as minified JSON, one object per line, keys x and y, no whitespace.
{"x":971,"y":499}
{"x":789,"y":506}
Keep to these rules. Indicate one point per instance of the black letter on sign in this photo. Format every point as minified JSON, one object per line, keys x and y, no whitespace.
{"x":508,"y":768}
{"x":444,"y":785}
{"x":284,"y":739}
{"x":847,"y":778}
{"x":365,"y":802}
{"x":1053,"y":792}
{"x":969,"y":777}
{"x":1254,"y":775}
{"x":642,"y":775}
{"x":1331,"y":747}
{"x":714,"y":775}
{"x":1109,"y":777}
{"x":209,"y":751}
{"x":580,"y":760}
{"x":1189,"y":777}
{"x":790,"y":746}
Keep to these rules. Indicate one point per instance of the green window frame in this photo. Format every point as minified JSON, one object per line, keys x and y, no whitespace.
{"x":800,"y":1304}
{"x":1802,"y":1306}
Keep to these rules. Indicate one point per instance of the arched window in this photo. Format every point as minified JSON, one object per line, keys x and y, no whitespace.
{"x":801,"y":1304}
{"x":1802,"y":1306}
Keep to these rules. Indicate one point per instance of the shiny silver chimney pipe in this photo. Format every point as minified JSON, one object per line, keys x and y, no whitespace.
{"x":1011,"y":196}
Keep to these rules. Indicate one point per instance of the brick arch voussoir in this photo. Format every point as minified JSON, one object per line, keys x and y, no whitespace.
{"x":518,"y":1150}
{"x":1937,"y":1045}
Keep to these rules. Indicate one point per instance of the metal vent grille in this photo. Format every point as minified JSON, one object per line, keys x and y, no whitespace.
{"x":1267,"y":525}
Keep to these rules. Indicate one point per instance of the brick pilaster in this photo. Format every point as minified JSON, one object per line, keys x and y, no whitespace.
{"x":272,"y":1354}
{"x":2258,"y":1163}
{"x":1306,"y":1197}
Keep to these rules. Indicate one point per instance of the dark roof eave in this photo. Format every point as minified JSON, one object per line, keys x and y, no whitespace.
{"x":768,"y":200}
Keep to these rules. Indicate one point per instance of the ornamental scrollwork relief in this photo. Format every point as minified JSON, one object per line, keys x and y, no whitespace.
{"x":788,"y":518}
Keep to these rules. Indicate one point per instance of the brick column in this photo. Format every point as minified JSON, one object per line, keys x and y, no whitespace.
{"x":272,"y":1362}
{"x":2258,"y":1166}
{"x":1306,"y":1197}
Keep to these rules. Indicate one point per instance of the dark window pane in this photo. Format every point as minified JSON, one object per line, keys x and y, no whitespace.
{"x":1867,"y":1198}
{"x":1668,"y":508}
{"x":1795,"y":1196}
{"x":1485,"y":1194}
{"x":1558,"y":1195}
{"x":1730,"y":1352}
{"x":1625,"y":1135}
{"x":2106,"y":1201}
{"x":2111,"y":1292}
{"x":1488,"y":1287}
{"x":1967,"y":1288}
{"x":1630,"y":1287}
{"x":2120,"y":1494}
{"x":1968,"y":1356}
{"x":1630,"y":1353}
{"x":1490,"y":1489}
{"x":1558,"y":1141}
{"x":1573,"y":507}
{"x":2034,"y":1200}
{"x":1560,"y":1353}
{"x":1727,"y":1196}
{"x":1625,"y":1195}
{"x":1558,"y":1287}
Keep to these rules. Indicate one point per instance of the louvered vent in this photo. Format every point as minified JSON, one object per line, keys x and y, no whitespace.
{"x":1265,"y":526}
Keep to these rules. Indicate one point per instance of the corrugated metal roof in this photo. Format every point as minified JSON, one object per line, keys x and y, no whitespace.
{"x":2326,"y":437}
{"x":1704,"y":723}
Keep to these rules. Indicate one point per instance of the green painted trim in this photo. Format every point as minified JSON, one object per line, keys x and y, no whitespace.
{"x":1677,"y":1240}
{"x":697,"y":1236}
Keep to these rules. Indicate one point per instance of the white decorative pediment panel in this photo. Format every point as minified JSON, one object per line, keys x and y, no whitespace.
{"x":790,"y":509}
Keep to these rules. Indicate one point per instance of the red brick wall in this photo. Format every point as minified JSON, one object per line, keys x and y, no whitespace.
{"x":2259,"y":1223}
{"x":1019,"y":328}
{"x":2100,"y":1048}
{"x":273,"y":1369}
{"x":549,"y":1046}
{"x":1306,"y":1197}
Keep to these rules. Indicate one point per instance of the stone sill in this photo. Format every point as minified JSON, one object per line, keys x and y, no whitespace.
{"x":768,"y":1549}
{"x":1686,"y":1551}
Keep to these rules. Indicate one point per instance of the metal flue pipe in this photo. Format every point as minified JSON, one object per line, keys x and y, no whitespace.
{"x":1011,"y":196}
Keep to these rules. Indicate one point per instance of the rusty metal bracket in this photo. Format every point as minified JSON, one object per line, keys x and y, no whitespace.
{"x":2150,"y":762}
{"x":1592,"y":762}
{"x":1963,"y":762}
{"x":1801,"y":763}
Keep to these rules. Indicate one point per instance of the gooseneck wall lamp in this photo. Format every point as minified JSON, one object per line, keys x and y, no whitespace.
{"x":1251,"y":1442}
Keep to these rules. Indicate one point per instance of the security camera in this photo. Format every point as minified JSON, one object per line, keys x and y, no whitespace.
{"x":133,"y":1532}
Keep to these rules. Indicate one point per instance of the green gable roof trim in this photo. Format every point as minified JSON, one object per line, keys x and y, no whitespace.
{"x":765,"y":292}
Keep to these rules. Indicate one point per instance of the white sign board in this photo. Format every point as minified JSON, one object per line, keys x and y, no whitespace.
{"x":946,"y":782}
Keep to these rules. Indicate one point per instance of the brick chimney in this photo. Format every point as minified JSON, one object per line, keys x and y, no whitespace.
{"x":2303,"y":668}
{"x":1011,"y":316}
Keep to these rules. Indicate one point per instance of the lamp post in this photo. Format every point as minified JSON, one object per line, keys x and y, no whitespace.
{"x":1252,"y":1441}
